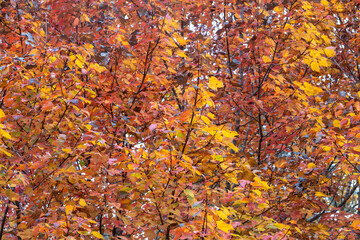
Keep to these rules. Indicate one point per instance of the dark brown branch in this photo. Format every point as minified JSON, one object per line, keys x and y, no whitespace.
{"x":3,"y":221}
{"x":147,"y":64}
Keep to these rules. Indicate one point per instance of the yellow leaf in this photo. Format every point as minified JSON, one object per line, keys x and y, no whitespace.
{"x":180,"y":39}
{"x":214,"y":83}
{"x":176,"y":24}
{"x":93,"y":94}
{"x":205,"y":119}
{"x":5,"y":134}
{"x":229,"y":134}
{"x":356,"y":224}
{"x":266,"y":59}
{"x":34,"y":51}
{"x":315,"y":66}
{"x":315,"y":53}
{"x":260,"y":183}
{"x":336,"y":123}
{"x":326,"y":39}
{"x":80,"y":57}
{"x":311,"y":165}
{"x":257,"y":192}
{"x":324,"y":62}
{"x":224,"y":226}
{"x":306,"y":5}
{"x":42,"y":33}
{"x":187,"y":159}
{"x":212,"y":116}
{"x":78,"y":63}
{"x":288,"y":26}
{"x":357,"y":148}
{"x":52,"y":59}
{"x":311,"y":90}
{"x":320,"y":194}
{"x":84,"y":100}
{"x":2,"y":114}
{"x":278,"y":9}
{"x":330,"y":52}
{"x":222,"y":214}
{"x":232,"y":178}
{"x":297,"y":229}
{"x":325,"y":3}
{"x":169,"y":52}
{"x":82,"y":202}
{"x":263,"y":205}
{"x":85,"y":17}
{"x":233,"y":147}
{"x":69,"y":209}
{"x":99,"y":68}
{"x":326,"y":148}
{"x":181,"y":54}
{"x":97,"y":234}
{"x":67,"y":150}
{"x":280,"y":225}
{"x":5,"y":152}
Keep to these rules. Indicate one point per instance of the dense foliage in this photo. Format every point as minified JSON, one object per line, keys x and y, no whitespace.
{"x":179,"y":119}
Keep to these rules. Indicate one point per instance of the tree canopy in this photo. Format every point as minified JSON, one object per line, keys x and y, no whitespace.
{"x":179,"y":119}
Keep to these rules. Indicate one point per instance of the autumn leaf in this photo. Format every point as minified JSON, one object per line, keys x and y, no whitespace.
{"x":330,"y":52}
{"x":266,"y":59}
{"x":315,"y":66}
{"x":69,"y":209}
{"x":12,"y":195}
{"x":97,"y":234}
{"x":5,"y":134}
{"x":280,"y":225}
{"x":311,"y":165}
{"x":115,"y":121}
{"x":320,"y":194}
{"x":2,"y":150}
{"x":98,"y":68}
{"x":205,"y":119}
{"x":67,"y":150}
{"x":325,"y":3}
{"x":76,"y":22}
{"x":224,"y":226}
{"x":214,"y":83}
{"x":82,"y":202}
{"x":189,"y":193}
{"x":2,"y":114}
{"x":356,"y":148}
{"x":336,"y":123}
{"x":180,"y":39}
{"x":181,"y":53}
{"x":326,"y":148}
{"x":356,"y":224}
